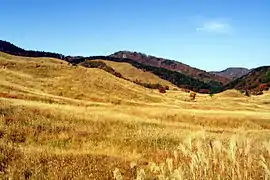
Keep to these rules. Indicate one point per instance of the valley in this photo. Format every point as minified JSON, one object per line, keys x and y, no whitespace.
{"x":60,"y":121}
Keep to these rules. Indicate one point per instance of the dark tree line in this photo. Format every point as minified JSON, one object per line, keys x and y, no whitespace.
{"x":9,"y":48}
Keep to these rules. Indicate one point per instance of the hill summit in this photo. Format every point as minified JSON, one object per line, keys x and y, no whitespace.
{"x":171,"y":65}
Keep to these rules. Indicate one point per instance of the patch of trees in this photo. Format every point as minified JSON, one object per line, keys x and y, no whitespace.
{"x":158,"y":86}
{"x":101,"y":65}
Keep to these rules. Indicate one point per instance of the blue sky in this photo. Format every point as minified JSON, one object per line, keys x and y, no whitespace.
{"x":207,"y":34}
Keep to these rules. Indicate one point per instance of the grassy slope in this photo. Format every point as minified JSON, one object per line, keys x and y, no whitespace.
{"x":60,"y":121}
{"x":131,"y":73}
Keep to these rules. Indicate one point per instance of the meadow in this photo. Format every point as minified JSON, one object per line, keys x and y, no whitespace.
{"x":59,"y":121}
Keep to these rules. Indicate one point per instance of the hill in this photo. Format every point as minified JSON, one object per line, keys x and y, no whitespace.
{"x":203,"y":84}
{"x":171,"y":65}
{"x":179,"y":79}
{"x":137,"y":75}
{"x":10,"y":48}
{"x":138,"y":67}
{"x":39,"y":77}
{"x":252,"y":80}
{"x":232,"y":73}
{"x":59,"y":121}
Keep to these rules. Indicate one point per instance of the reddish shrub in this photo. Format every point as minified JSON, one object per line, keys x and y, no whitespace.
{"x":263,"y":87}
{"x":204,"y":91}
{"x":117,"y":74}
{"x":13,"y":96}
{"x":162,"y":89}
{"x":192,"y":95}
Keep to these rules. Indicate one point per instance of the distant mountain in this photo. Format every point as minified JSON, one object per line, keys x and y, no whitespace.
{"x":251,"y":80}
{"x":10,"y":48}
{"x":232,"y":73}
{"x":171,"y":65}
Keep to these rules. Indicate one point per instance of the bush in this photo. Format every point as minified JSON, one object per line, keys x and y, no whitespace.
{"x":247,"y":93}
{"x":263,"y":87}
{"x":162,"y":89}
{"x":192,"y":95}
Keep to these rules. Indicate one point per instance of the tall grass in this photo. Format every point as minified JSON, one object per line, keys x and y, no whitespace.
{"x":235,"y":158}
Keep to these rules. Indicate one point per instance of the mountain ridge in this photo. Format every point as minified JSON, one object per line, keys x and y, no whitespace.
{"x":232,"y":73}
{"x":252,"y":80}
{"x":170,"y":65}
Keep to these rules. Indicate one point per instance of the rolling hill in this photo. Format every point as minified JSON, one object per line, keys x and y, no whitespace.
{"x":171,"y":65}
{"x":146,"y":70}
{"x":39,"y":77}
{"x":137,"y":75}
{"x":179,"y":79}
{"x":174,"y":77}
{"x":251,"y":80}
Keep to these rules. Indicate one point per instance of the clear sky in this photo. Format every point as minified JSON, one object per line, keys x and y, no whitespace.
{"x":207,"y":34}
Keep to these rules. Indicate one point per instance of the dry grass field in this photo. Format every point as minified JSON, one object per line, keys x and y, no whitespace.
{"x":132,"y":73}
{"x":67,"y":122}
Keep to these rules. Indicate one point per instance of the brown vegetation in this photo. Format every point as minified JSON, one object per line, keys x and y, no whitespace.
{"x":84,"y":123}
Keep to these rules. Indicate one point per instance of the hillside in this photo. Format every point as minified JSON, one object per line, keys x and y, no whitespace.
{"x":179,"y":79}
{"x":59,"y":121}
{"x":171,"y":65}
{"x":173,"y":77}
{"x":134,"y":74}
{"x":232,"y":73}
{"x":252,"y":80}
{"x":10,"y":48}
{"x":39,"y":77}
{"x":150,"y":71}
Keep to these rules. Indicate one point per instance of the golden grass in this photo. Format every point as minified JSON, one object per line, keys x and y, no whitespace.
{"x":64,"y":122}
{"x":132,"y":73}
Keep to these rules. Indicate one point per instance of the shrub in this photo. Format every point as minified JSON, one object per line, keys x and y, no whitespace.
{"x":205,"y":91}
{"x":162,"y":89}
{"x":117,"y":74}
{"x":192,"y":95}
{"x":257,"y":92}
{"x":263,"y":87}
{"x":247,"y":93}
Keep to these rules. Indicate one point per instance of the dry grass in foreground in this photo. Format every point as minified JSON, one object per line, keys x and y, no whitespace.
{"x":198,"y":158}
